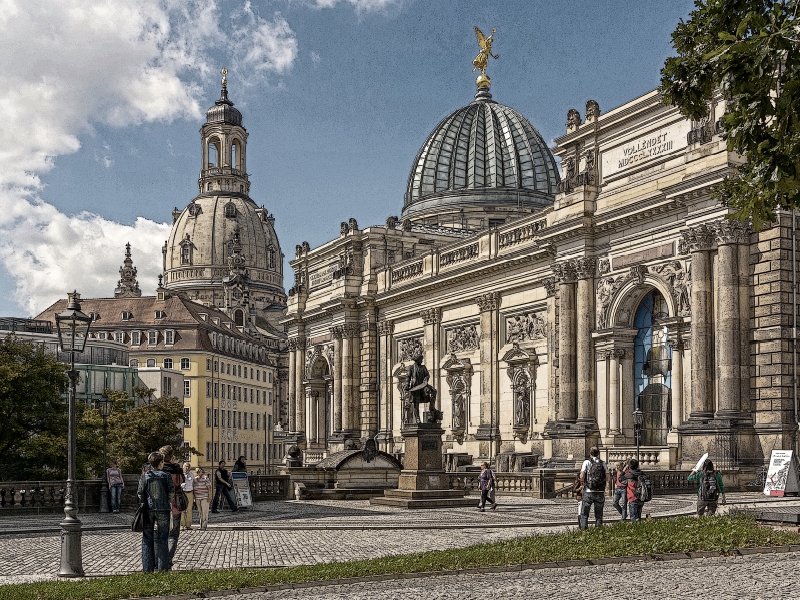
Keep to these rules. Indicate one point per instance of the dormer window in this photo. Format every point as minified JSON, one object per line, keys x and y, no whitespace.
{"x":152,"y":338}
{"x":230,"y":210}
{"x":186,"y":250}
{"x":160,"y":314}
{"x":216,"y":321}
{"x":119,"y":336}
{"x":169,"y":337}
{"x":95,"y":316}
{"x":136,"y":338}
{"x":127,"y":315}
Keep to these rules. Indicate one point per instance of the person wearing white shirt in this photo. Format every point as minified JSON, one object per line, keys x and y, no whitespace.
{"x":594,"y":475}
{"x":188,"y":487}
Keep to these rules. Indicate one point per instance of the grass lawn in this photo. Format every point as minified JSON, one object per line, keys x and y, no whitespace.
{"x":683,"y":534}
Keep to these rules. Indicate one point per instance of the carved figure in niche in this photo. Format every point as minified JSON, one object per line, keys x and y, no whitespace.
{"x":420,"y":390}
{"x":407,"y":349}
{"x":459,"y":416}
{"x":605,"y":291}
{"x":589,"y":160}
{"x":462,"y":339}
{"x":522,"y":405}
{"x":573,"y":119}
{"x":569,"y":168}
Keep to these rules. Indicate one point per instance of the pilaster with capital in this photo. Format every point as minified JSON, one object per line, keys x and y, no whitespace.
{"x":291,"y":425}
{"x":551,"y":287}
{"x":385,"y":342}
{"x":585,"y":364}
{"x":744,"y":317}
{"x":677,"y":346}
{"x":299,"y":374}
{"x":431,"y":318}
{"x":338,"y":361}
{"x":700,"y":240}
{"x":614,"y":408}
{"x":489,"y":304}
{"x":567,"y":365}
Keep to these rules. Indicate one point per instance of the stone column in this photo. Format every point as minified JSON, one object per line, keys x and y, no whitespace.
{"x":567,"y":366}
{"x":336,"y":333}
{"x":627,"y":400}
{"x":300,"y":397}
{"x":744,"y":318}
{"x":291,"y":425}
{"x":552,"y":348}
{"x":488,"y":429}
{"x":700,"y":241}
{"x":346,"y":385}
{"x":311,"y":407}
{"x":430,"y":318}
{"x":584,"y":322}
{"x":614,"y":410}
{"x":385,"y":331}
{"x":354,"y":331}
{"x":676,"y":344}
{"x":728,"y":330}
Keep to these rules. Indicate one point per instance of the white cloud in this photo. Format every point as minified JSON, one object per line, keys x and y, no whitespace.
{"x":75,"y":63}
{"x":359,"y":5}
{"x":316,"y":58}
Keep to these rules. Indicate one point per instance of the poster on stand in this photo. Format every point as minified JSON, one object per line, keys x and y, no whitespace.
{"x":782,"y":474}
{"x":242,"y":488}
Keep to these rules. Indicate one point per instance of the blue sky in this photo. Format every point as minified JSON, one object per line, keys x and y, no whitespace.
{"x":104,"y":100}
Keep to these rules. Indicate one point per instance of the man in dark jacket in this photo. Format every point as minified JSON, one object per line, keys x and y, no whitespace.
{"x":223,"y":486}
{"x":631,"y":477}
{"x":176,"y":471}
{"x":156,"y":489}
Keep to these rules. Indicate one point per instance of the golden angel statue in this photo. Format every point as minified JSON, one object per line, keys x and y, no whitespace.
{"x":482,"y":59}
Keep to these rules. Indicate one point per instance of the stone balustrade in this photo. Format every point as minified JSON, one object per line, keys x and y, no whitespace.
{"x":514,"y":236}
{"x":454,"y":256}
{"x":407,"y":271}
{"x":25,"y":497}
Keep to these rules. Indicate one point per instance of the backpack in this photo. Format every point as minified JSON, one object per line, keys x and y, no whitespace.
{"x":709,"y":490}
{"x":596,"y":476}
{"x":643,"y":491}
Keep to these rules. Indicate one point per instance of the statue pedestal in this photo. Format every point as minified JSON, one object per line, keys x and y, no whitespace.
{"x":423,"y":483}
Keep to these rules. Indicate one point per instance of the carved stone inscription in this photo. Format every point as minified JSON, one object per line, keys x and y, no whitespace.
{"x":322,"y":276}
{"x":462,"y":339}
{"x":646,"y":148}
{"x":530,"y":326}
{"x":647,"y":255}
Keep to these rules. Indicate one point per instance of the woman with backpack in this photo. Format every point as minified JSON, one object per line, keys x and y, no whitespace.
{"x":710,"y":488}
{"x":639,"y":489}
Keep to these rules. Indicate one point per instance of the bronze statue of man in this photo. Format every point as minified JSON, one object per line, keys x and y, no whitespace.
{"x":418,"y":388}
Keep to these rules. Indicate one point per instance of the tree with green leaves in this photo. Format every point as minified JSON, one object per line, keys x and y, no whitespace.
{"x":749,"y":50}
{"x":33,"y":416}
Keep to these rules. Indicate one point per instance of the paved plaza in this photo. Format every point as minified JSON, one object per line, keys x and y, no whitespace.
{"x":289,"y":533}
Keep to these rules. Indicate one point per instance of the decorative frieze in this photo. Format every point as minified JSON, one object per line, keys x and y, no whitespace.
{"x":488,"y":301}
{"x":458,"y":255}
{"x":462,"y":339}
{"x":408,"y":348}
{"x":731,"y":232}
{"x":529,"y":326}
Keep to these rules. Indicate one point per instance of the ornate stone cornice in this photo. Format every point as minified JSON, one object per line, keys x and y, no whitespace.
{"x":385,"y":327}
{"x":699,"y":238}
{"x":351,"y":330}
{"x":584,"y":268}
{"x":549,"y":284}
{"x":488,"y":301}
{"x":564,"y":271}
{"x":430,"y":316}
{"x":676,"y":343}
{"x":731,"y":232}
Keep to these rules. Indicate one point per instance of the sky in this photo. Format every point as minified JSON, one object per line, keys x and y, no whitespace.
{"x":104,"y":100}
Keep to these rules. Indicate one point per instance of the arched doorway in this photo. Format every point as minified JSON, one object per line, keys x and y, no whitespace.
{"x":319,"y":394}
{"x":653,"y":369}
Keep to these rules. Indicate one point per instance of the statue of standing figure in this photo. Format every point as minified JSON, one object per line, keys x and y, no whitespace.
{"x":421,"y":391}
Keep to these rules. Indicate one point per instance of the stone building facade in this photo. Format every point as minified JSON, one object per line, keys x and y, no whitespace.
{"x":619,"y":285}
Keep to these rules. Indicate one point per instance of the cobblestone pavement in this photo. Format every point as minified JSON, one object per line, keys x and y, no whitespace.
{"x":758,"y":577}
{"x":294,"y":533}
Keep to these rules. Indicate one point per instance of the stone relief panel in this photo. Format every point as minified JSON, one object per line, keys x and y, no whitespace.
{"x":679,"y":281}
{"x":526,"y":327}
{"x":462,"y":339}
{"x":408,"y":348}
{"x":607,"y":287}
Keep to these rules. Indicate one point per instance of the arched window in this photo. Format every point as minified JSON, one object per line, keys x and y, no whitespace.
{"x":213,"y":154}
{"x":230,"y":210}
{"x":238,"y":317}
{"x":271,"y":257}
{"x":235,"y":154}
{"x":652,"y":369}
{"x":210,"y":186}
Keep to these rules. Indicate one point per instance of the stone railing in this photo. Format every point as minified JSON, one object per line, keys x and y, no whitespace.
{"x":457,"y":255}
{"x":520,"y":235}
{"x":48,"y":496}
{"x":405,"y":272}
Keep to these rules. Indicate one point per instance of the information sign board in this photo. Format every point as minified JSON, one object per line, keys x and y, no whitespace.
{"x":242,"y":488}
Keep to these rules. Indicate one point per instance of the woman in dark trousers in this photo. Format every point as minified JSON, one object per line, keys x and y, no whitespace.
{"x":222,"y":481}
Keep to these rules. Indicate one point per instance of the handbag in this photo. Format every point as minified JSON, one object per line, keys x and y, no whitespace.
{"x":137,"y":525}
{"x":181,"y":500}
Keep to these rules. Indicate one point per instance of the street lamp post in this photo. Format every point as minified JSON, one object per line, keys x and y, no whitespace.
{"x":73,"y":329}
{"x":638,"y":421}
{"x":104,"y":405}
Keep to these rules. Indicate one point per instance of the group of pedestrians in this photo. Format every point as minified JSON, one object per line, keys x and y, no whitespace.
{"x":163,"y":519}
{"x":632,"y":489}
